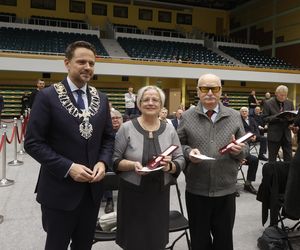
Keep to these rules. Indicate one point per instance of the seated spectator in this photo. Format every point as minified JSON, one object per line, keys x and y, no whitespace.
{"x":252,"y":162}
{"x":177,"y":119}
{"x":117,"y":120}
{"x":251,"y":126}
{"x":225,"y":100}
{"x":262,"y":126}
{"x":163,"y":116}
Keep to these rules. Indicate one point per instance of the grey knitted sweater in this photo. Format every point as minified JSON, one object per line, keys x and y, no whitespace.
{"x":196,"y":130}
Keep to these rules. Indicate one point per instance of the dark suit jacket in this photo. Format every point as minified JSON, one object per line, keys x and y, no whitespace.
{"x":175,"y":122}
{"x":252,"y":127}
{"x":277,"y":129}
{"x":54,"y":140}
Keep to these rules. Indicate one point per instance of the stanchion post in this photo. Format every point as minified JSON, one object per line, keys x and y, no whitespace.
{"x":15,"y":161}
{"x":22,"y":150}
{"x":3,"y":181}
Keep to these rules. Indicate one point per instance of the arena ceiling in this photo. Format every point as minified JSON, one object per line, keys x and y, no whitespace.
{"x":214,"y":4}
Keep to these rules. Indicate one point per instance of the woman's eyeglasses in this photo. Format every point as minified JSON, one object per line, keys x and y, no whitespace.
{"x":207,"y":89}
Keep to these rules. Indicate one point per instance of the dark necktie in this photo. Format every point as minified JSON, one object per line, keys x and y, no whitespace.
{"x":80,"y":102}
{"x":210,"y":113}
{"x":280,"y":106}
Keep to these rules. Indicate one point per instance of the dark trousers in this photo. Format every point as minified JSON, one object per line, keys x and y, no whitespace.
{"x":77,"y":225}
{"x":263,"y":145}
{"x":211,"y":221}
{"x":107,"y":195}
{"x":252,"y":162}
{"x":273,"y":148}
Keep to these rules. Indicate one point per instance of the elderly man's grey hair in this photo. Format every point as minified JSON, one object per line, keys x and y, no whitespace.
{"x":282,"y":89}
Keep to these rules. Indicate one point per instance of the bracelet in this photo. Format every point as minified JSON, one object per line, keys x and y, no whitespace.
{"x":170,"y":167}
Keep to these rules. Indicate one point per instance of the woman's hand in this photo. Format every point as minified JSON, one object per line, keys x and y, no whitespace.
{"x":166,"y":163}
{"x":137,"y":167}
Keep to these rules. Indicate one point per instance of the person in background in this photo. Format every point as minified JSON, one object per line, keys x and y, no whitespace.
{"x":70,"y":133}
{"x":130,"y":100}
{"x":279,"y":134}
{"x":225,"y":100}
{"x":252,"y":102}
{"x":117,"y":120}
{"x":25,"y":102}
{"x":260,"y":121}
{"x":40,"y":84}
{"x":267,"y":97}
{"x":163,"y":114}
{"x":143,"y":198}
{"x":177,"y":119}
{"x":250,"y":125}
{"x":211,"y":184}
{"x":1,"y":106}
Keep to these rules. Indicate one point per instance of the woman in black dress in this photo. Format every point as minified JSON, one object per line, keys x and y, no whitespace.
{"x":143,"y":198}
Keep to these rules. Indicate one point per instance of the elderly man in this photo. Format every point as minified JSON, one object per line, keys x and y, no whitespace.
{"x":117,"y":120}
{"x":250,"y":125}
{"x":279,"y":134}
{"x":211,"y":184}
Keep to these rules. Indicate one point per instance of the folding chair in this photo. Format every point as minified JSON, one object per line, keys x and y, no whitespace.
{"x":271,"y":193}
{"x":110,"y":182}
{"x":178,"y":222}
{"x":253,"y":146}
{"x":240,"y":169}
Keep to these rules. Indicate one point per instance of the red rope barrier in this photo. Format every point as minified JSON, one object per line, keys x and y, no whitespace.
{"x":12,"y":136}
{"x":2,"y":142}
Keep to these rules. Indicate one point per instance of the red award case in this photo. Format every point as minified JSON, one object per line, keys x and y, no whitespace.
{"x":227,"y":148}
{"x":156,"y":161}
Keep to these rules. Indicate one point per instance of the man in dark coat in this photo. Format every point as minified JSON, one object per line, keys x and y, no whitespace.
{"x":177,"y":119}
{"x":70,"y":134}
{"x":40,"y":84}
{"x":279,"y":134}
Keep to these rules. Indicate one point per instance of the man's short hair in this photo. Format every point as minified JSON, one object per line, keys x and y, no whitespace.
{"x":78,"y":44}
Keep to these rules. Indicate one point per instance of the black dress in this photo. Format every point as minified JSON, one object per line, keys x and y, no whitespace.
{"x":143,"y":211}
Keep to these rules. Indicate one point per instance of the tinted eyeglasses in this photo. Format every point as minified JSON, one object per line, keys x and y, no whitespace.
{"x":215,"y":89}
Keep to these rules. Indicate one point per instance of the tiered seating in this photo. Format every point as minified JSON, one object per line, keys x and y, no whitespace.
{"x":7,"y":17}
{"x":12,"y":95}
{"x":255,"y":58}
{"x":126,"y":28}
{"x":47,"y":42}
{"x":58,"y":22}
{"x":168,"y":51}
{"x":116,"y":97}
{"x":165,"y":32}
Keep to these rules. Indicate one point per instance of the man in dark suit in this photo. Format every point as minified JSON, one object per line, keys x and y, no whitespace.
{"x":177,"y":119}
{"x":279,"y":134}
{"x":70,"y":134}
{"x":40,"y":84}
